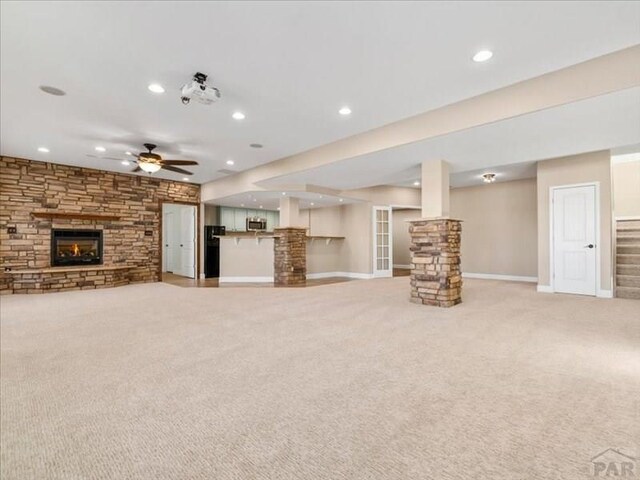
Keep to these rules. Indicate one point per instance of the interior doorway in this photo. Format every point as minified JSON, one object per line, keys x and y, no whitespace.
{"x":179,"y":252}
{"x":401,"y":254}
{"x":574,"y":239}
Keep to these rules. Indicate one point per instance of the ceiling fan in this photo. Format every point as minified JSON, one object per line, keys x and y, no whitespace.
{"x":152,"y":162}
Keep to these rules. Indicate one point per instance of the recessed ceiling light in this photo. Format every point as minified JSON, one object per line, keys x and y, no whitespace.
{"x":344,"y":111}
{"x":261,"y":206}
{"x":43,"y":149}
{"x":101,"y":149}
{"x":128,"y":153}
{"x":284,"y":193}
{"x":416,"y":183}
{"x":186,"y":179}
{"x":482,"y":56}
{"x":255,"y":200}
{"x":489,"y":177}
{"x":238,"y":116}
{"x":156,"y":88}
{"x":242,"y":204}
{"x":312,"y":204}
{"x":230,"y":162}
{"x":125,"y":162}
{"x":341,"y":200}
{"x":52,"y":90}
{"x":256,"y":145}
{"x":278,"y":208}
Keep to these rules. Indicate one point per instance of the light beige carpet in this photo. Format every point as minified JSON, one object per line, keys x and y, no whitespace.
{"x":345,"y":381}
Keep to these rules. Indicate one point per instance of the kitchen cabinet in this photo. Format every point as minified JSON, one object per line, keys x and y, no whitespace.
{"x":235,"y":219}
{"x":227,"y":218}
{"x":240,"y":217}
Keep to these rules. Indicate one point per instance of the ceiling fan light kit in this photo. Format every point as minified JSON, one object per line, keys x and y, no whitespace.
{"x":150,"y":162}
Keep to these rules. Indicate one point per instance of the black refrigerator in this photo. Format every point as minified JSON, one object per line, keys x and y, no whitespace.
{"x":212,"y":250}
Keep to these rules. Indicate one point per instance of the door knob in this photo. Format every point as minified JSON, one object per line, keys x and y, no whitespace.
{"x":589,"y":246}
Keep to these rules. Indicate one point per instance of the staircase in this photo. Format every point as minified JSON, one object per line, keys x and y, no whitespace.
{"x":628,"y":259}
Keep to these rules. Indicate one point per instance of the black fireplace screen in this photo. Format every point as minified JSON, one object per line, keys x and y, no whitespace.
{"x":76,"y":247}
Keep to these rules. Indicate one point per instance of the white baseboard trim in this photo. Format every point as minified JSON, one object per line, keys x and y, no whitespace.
{"x":402,"y":266}
{"x":604,"y":294}
{"x":494,"y":276}
{"x":245,"y":279}
{"x":544,"y":289}
{"x":361,"y":276}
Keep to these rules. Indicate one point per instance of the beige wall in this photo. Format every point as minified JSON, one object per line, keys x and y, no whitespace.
{"x":357,"y":245}
{"x":210,"y":214}
{"x":401,"y":239}
{"x":499,"y":229}
{"x":388,"y":195}
{"x":247,"y":258}
{"x":626,"y":188}
{"x":584,"y":168}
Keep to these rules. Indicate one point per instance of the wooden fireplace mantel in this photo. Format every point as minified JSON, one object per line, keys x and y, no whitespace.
{"x":75,"y":216}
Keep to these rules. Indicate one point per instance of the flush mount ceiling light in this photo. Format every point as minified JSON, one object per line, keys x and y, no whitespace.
{"x":489,"y":177}
{"x":101,"y":149}
{"x":125,"y":162}
{"x":482,"y":56}
{"x":149,"y":167}
{"x":230,"y":162}
{"x":344,"y":111}
{"x":238,"y":116}
{"x":416,"y":183}
{"x":52,"y":90}
{"x":43,"y":149}
{"x":156,"y":88}
{"x":256,"y":145}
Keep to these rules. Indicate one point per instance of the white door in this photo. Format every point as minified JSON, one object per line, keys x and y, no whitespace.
{"x":382,"y":239}
{"x":167,"y":242}
{"x":188,"y":241}
{"x":574,"y":240}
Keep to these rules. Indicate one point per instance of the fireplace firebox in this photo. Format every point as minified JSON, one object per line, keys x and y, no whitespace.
{"x":76,"y":247}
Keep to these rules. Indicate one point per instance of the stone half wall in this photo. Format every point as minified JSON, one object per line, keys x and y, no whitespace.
{"x":133,"y":240}
{"x":435,"y":264}
{"x":290,"y":257}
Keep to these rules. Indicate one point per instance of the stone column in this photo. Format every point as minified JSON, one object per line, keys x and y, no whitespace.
{"x":290,"y":257}
{"x":435,"y":264}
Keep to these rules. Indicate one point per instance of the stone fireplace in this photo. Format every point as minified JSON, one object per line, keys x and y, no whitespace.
{"x":75,"y":247}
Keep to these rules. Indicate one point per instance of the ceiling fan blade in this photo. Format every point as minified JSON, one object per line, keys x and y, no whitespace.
{"x":179,"y":162}
{"x":137,"y":169}
{"x":176,"y":169}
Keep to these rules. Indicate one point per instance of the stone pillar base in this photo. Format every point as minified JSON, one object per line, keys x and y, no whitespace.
{"x":435,"y":264}
{"x":290,"y":257}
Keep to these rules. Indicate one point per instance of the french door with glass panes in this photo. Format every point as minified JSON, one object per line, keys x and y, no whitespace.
{"x":382,"y":242}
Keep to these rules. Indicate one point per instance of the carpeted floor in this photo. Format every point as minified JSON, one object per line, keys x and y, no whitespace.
{"x":345,"y":381}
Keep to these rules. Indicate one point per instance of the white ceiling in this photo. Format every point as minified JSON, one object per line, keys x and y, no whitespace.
{"x":288,"y":65}
{"x":598,"y":123}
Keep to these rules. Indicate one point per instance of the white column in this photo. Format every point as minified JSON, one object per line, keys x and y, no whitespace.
{"x":435,"y":189}
{"x":289,"y":211}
